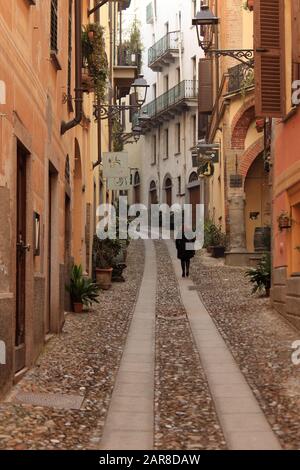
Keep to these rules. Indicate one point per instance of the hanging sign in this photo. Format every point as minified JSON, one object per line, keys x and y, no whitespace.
{"x":115,"y":165}
{"x":207,"y":169}
{"x":118,"y":184}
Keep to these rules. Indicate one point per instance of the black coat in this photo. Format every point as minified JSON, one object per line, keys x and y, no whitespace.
{"x":182,"y":252}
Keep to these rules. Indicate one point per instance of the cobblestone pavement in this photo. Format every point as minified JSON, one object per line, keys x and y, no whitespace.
{"x":185,"y":416}
{"x":82,"y":361}
{"x":260,"y":341}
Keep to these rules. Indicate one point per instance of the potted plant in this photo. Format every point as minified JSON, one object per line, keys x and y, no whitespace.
{"x":83,"y":291}
{"x":284,"y":221}
{"x":214,"y":240}
{"x":104,"y":253}
{"x":94,"y":59}
{"x":260,"y":276}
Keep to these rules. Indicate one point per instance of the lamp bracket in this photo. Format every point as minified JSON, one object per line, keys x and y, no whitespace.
{"x":245,"y":56}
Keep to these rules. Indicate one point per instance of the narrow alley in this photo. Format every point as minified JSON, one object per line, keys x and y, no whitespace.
{"x":179,"y":372}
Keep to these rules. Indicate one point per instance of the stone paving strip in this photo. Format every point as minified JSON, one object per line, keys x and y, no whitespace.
{"x":260,"y":341}
{"x":80,"y":363}
{"x":130,"y":420}
{"x":185,"y":416}
{"x":243,"y":422}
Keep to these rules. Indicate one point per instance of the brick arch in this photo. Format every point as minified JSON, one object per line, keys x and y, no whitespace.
{"x":250,"y":155}
{"x":241,"y":124}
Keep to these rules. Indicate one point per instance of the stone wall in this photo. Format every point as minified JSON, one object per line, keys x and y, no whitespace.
{"x":285,"y":295}
{"x":6,"y":335}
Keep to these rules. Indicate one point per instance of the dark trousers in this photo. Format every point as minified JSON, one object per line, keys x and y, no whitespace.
{"x":185,"y":264}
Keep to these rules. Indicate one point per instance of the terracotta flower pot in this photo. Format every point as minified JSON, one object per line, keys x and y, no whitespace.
{"x":77,"y":307}
{"x":250,"y":4}
{"x":104,"y":278}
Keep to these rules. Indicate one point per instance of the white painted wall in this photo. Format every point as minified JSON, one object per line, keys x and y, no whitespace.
{"x":179,"y":14}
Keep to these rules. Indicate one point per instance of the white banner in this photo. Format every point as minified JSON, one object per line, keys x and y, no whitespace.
{"x":115,"y":165}
{"x":119,"y":184}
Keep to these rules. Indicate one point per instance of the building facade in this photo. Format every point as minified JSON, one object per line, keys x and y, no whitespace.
{"x":282,"y":104}
{"x":50,"y":167}
{"x":162,"y":161}
{"x":239,"y":193}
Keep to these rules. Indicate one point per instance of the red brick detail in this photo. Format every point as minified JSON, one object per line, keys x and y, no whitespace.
{"x":250,"y":155}
{"x":241,"y":127}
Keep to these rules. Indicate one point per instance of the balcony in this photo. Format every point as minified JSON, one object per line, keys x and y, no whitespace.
{"x":126,"y":69}
{"x":240,"y":78}
{"x":164,"y":51}
{"x":174,"y":102}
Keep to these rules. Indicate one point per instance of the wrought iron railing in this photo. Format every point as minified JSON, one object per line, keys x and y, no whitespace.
{"x":187,"y":89}
{"x":170,"y":42}
{"x":240,"y":77}
{"x":127,"y":58}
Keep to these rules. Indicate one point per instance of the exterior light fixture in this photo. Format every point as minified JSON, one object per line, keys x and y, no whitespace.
{"x":205,"y":22}
{"x":140,"y":88}
{"x":107,"y":111}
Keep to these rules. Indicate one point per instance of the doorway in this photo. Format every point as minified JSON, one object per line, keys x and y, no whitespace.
{"x":21,"y":252}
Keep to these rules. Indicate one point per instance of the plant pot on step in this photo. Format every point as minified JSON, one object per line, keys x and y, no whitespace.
{"x":77,"y":307}
{"x":104,"y":278}
{"x":218,"y":251}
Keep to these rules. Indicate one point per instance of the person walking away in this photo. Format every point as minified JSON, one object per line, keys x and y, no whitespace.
{"x":183,"y":253}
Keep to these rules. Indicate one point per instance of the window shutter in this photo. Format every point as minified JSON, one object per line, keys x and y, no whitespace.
{"x":54,"y":25}
{"x":269,"y":56}
{"x":296,"y":38}
{"x":205,"y":86}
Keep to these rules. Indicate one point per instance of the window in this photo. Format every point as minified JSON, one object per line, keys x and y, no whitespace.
{"x":194,"y":126}
{"x":54,"y":26}
{"x":296,"y":39}
{"x":154,"y":91}
{"x":70,"y":56}
{"x":269,"y":35}
{"x":154,"y":150}
{"x":194,"y":8}
{"x":178,"y":137}
{"x":179,"y":185}
{"x":178,"y":75}
{"x":166,"y":144}
{"x":166,"y":83}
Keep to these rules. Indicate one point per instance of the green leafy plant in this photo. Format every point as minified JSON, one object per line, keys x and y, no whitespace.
{"x":260,"y":276}
{"x":95,"y":57}
{"x":118,"y":145}
{"x":105,"y":251}
{"x":213,"y":235}
{"x":82,"y":289}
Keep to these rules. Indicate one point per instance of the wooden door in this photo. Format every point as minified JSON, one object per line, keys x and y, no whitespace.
{"x":22,"y":249}
{"x":194,"y":201}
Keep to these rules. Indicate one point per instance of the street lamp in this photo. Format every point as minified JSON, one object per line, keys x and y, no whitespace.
{"x":140,"y":88}
{"x":205,"y":22}
{"x":108,"y":111}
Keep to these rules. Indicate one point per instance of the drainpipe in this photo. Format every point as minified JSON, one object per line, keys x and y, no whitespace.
{"x":66,"y":126}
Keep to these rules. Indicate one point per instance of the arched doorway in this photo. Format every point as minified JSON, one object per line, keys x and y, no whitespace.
{"x":78,"y":208}
{"x":168,"y":186}
{"x":194,"y":195}
{"x":137,"y":188}
{"x":258,"y":200}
